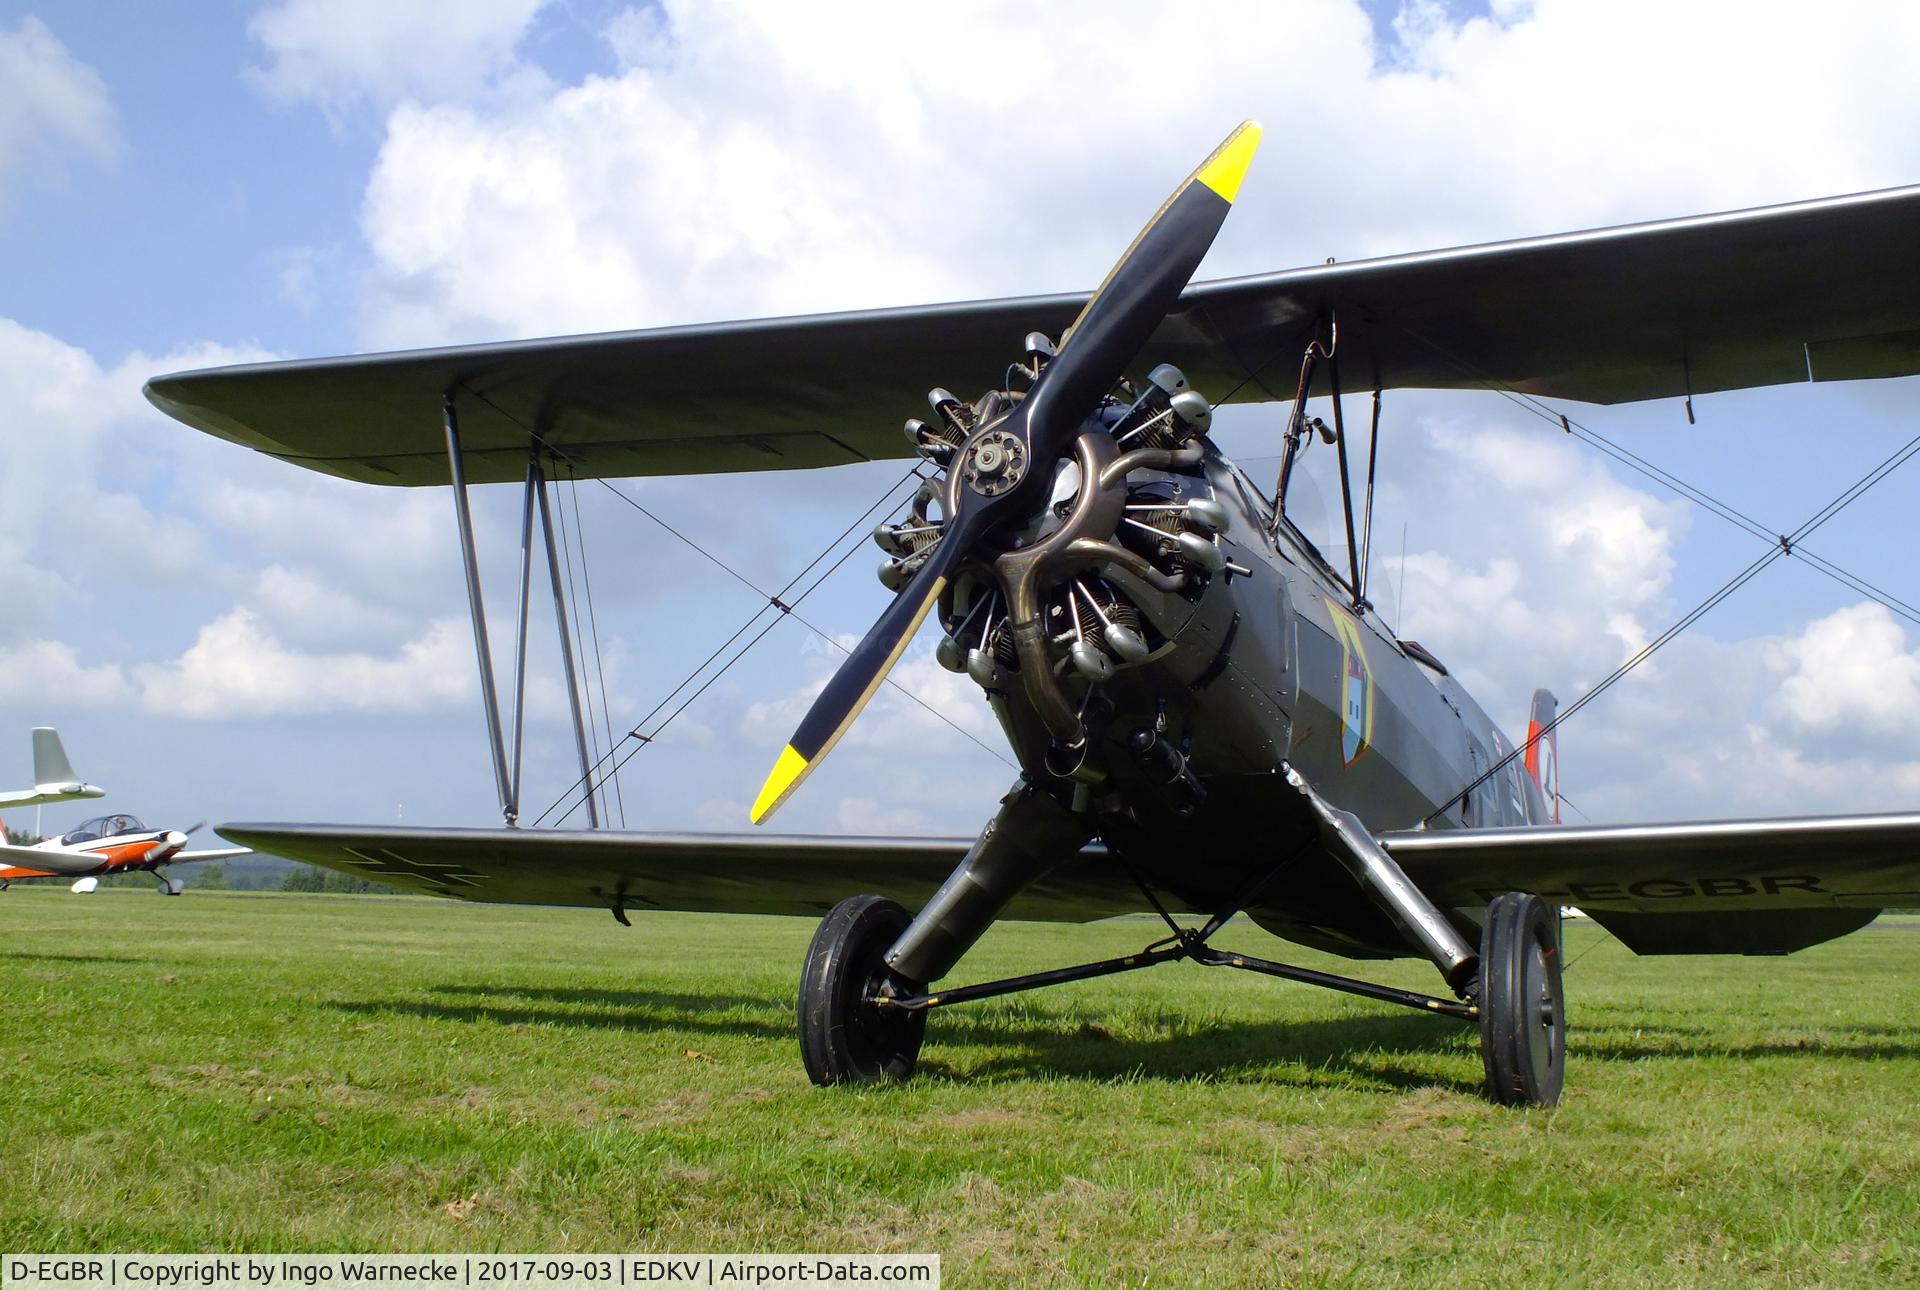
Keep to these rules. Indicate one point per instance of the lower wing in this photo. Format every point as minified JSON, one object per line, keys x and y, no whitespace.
{"x":701,"y":872}
{"x":1718,"y":886}
{"x":1726,"y":886}
{"x":65,"y":864}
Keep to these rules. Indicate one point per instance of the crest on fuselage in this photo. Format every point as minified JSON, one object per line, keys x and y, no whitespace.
{"x":1356,"y":688}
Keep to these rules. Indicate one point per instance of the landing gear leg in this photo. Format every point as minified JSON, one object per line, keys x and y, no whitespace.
{"x":845,"y":1038}
{"x":1523,"y":1016}
{"x":168,"y":886}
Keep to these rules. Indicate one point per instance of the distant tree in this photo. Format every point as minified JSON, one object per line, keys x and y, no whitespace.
{"x":22,"y":837}
{"x":211,"y":877}
{"x":352,"y":884}
{"x":305,"y":878}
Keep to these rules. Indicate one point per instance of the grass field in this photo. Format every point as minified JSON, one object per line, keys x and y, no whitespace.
{"x":259,"y":1072}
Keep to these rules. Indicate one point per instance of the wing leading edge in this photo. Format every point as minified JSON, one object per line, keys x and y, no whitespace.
{"x":704,"y":873}
{"x":1816,"y":290}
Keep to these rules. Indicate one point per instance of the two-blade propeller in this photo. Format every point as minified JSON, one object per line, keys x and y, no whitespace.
{"x":1007,"y":465}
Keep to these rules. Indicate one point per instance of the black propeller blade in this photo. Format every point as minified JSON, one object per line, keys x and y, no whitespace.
{"x":1093,"y":355}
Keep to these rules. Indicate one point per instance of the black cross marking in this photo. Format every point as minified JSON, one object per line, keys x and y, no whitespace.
{"x":435,"y":873}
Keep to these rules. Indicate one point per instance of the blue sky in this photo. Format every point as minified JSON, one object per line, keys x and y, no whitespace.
{"x":220,"y":635}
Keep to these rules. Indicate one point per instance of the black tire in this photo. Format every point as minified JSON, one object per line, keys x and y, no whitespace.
{"x":1523,"y":1011}
{"x":843,"y":1038}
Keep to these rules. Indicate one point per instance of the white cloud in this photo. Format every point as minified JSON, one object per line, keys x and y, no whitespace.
{"x":52,"y":106}
{"x":77,"y":483}
{"x":338,"y":54}
{"x":753,"y":158}
{"x":44,"y":672}
{"x":1852,"y":674}
{"x":235,"y":669}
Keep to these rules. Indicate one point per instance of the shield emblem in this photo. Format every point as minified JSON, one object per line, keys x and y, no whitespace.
{"x":1356,"y":688}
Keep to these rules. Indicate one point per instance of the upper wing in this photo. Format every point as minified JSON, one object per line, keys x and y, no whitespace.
{"x":1818,"y":290}
{"x":709,"y":873}
{"x":1720,"y":886}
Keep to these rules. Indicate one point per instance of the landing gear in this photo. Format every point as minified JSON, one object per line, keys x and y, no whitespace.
{"x":169,"y":886}
{"x":845,"y":1038}
{"x":1523,"y":1016}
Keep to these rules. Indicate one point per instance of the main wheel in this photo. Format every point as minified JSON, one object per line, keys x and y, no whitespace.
{"x":843,"y":1038}
{"x":1523,"y":1013}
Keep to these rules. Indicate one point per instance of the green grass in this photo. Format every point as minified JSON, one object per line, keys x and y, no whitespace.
{"x":249,"y":1072}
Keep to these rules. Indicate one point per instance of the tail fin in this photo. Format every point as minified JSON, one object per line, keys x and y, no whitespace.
{"x":1543,"y":750}
{"x":50,"y":764}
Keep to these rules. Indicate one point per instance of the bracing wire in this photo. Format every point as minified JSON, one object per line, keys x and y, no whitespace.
{"x":1666,"y":478}
{"x":1784,"y":545}
{"x":788,"y":610}
{"x":784,"y":608}
{"x":593,"y":626}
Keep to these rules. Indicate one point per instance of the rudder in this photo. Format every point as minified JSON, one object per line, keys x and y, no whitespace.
{"x":50,"y":764}
{"x":1543,"y":750}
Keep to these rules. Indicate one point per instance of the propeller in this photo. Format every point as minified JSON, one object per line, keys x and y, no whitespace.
{"x":1006,"y":465}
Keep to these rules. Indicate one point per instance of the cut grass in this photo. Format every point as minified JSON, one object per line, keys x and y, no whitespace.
{"x":235,"y":1071}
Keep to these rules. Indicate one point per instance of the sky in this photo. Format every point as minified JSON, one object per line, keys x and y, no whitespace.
{"x":220,"y":635}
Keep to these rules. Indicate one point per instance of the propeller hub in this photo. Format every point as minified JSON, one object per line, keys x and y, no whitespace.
{"x":996,"y":461}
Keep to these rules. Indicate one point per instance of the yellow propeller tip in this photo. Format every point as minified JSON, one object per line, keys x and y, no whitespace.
{"x":781,"y":780}
{"x":1227,"y":166}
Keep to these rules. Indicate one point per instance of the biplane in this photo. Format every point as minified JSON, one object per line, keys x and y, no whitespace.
{"x":1210,"y":714}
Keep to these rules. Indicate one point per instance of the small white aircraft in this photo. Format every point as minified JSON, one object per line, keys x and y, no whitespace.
{"x":106,"y":845}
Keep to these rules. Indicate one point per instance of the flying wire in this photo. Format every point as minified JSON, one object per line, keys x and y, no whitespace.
{"x":1666,"y":478}
{"x":1783,"y":545}
{"x":593,"y":626}
{"x":786,"y":608}
{"x":772,"y":603}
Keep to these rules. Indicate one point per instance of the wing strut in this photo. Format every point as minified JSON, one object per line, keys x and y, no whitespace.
{"x":489,"y":696}
{"x":537,"y":481}
{"x":508,"y":759}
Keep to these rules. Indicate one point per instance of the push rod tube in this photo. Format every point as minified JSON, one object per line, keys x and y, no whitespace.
{"x":489,"y":695}
{"x":566,"y":645}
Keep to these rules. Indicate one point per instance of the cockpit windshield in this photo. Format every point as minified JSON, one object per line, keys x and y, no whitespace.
{"x":105,"y":826}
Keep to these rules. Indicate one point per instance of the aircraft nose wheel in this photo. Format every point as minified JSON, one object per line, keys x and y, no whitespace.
{"x":1523,"y":1015}
{"x":843,"y":1038}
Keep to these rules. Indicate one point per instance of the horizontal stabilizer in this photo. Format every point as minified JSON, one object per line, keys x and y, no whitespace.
{"x":1753,"y":931}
